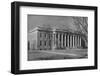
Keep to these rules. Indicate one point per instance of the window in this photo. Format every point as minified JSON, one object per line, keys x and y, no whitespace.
{"x":49,"y":42}
{"x":40,"y":43}
{"x":45,"y":35}
{"x":45,"y":43}
{"x":40,"y":34}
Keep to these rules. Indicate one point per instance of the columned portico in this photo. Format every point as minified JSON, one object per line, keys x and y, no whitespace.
{"x":63,"y":40}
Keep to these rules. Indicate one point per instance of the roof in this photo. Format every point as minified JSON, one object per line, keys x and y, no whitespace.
{"x":48,"y":28}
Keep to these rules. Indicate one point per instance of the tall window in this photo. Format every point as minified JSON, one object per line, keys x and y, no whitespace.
{"x":45,"y":35}
{"x":45,"y":43}
{"x":49,"y":42}
{"x":40,"y":34}
{"x":40,"y":43}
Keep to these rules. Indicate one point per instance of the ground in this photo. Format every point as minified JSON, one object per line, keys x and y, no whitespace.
{"x":57,"y":54}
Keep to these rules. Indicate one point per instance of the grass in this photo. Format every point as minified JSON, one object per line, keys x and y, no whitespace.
{"x":57,"y":54}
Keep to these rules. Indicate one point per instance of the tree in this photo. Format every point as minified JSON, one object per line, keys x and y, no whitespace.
{"x":81,"y":24}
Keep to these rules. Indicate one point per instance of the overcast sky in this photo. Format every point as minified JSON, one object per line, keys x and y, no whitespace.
{"x":58,"y":21}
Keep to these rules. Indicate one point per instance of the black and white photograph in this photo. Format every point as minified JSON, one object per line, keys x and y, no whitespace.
{"x":52,"y":37}
{"x":57,"y":37}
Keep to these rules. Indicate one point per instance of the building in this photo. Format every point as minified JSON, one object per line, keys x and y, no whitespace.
{"x":41,"y":38}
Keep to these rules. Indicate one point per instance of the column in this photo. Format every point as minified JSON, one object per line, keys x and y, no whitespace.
{"x":46,"y":42}
{"x":53,"y":40}
{"x":62,"y":40}
{"x":70,"y":41}
{"x":73,"y":41}
{"x":67,"y":40}
{"x":80,"y":41}
{"x":77,"y":41}
{"x":50,"y":40}
{"x":58,"y":40}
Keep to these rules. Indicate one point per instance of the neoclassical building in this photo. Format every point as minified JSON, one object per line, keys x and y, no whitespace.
{"x":41,"y":38}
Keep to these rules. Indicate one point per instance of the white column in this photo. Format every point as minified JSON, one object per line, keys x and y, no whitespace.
{"x":46,"y":42}
{"x":77,"y":41}
{"x":67,"y":40}
{"x":53,"y":40}
{"x":58,"y":40}
{"x":50,"y":40}
{"x":62,"y":40}
{"x":73,"y":41}
{"x":70,"y":41}
{"x":80,"y":41}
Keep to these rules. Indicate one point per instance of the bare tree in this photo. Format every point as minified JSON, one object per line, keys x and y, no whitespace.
{"x":81,"y":24}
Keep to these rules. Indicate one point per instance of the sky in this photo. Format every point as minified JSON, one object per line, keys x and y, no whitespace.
{"x":54,"y":21}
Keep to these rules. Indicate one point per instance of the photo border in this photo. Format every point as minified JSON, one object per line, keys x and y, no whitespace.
{"x":15,"y":37}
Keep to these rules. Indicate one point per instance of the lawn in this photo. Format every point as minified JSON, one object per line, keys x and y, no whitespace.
{"x":57,"y":54}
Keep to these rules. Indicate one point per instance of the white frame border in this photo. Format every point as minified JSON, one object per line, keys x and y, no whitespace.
{"x":24,"y":64}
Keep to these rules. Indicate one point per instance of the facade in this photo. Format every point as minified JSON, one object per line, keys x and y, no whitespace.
{"x":42,"y":38}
